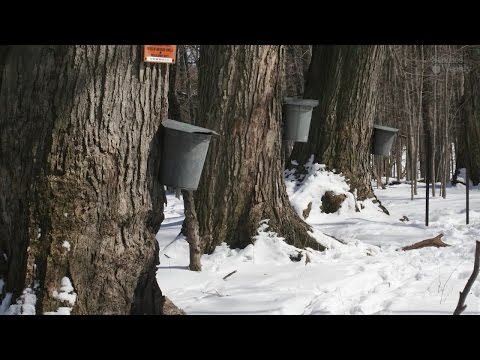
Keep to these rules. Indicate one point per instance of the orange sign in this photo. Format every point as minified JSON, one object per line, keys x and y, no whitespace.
{"x":160,"y":53}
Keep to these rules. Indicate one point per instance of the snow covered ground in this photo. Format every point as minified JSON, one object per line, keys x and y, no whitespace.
{"x":367,"y":275}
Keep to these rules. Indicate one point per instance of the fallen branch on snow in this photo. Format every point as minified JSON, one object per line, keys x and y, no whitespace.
{"x":179,"y":236}
{"x":436,"y":242}
{"x":337,"y":239}
{"x":226,"y":276}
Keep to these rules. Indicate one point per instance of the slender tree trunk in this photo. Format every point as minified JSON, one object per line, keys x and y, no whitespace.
{"x":428,"y":113}
{"x":408,"y":106}
{"x":174,"y":109}
{"x":188,"y":84}
{"x":192,"y":233}
{"x":433,"y":134}
{"x":460,"y":123}
{"x":399,"y":158}
{"x":418,"y":110}
{"x":243,"y":182}
{"x":344,"y":79}
{"x":79,"y":159}
{"x":469,"y":143}
{"x":387,"y":170}
{"x":445,"y":138}
{"x":295,"y":58}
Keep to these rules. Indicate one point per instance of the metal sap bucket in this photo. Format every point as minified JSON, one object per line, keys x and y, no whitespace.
{"x":185,"y":148}
{"x":383,"y":138}
{"x":298,"y":114}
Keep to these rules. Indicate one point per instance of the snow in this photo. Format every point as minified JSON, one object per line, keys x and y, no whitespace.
{"x":59,"y":311}
{"x":25,"y":304}
{"x":66,"y":245}
{"x":5,"y":303}
{"x":313,"y":186}
{"x":66,"y":294}
{"x":462,"y":175}
{"x":366,"y":274}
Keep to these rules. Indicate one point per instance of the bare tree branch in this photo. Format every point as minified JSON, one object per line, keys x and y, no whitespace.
{"x":463,"y":294}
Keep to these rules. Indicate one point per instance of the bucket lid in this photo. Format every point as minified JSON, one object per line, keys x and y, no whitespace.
{"x":300,"y":101}
{"x":385,"y":128}
{"x":181,"y":126}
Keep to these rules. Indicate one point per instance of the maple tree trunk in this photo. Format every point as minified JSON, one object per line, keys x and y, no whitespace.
{"x":79,"y":159}
{"x":243,"y":182}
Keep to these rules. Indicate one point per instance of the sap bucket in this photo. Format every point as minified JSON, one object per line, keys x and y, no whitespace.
{"x":383,"y":137}
{"x":298,"y":114}
{"x":185,"y":148}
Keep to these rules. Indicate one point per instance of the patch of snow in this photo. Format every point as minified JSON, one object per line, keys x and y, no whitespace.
{"x":310,"y":188}
{"x":66,"y":245}
{"x":7,"y":300}
{"x":25,"y":304}
{"x":59,"y":311}
{"x":66,"y":292}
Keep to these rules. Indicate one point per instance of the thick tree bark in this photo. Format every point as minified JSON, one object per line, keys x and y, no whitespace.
{"x":243,"y":181}
{"x":79,"y":159}
{"x":344,"y":79}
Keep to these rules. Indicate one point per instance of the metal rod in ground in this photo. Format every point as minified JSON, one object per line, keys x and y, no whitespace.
{"x":427,"y":180}
{"x":467,"y":187}
{"x":427,"y":199}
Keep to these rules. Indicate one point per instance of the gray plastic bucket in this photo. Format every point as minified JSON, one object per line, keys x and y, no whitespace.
{"x":298,"y":114}
{"x":185,"y":148}
{"x":383,"y":137}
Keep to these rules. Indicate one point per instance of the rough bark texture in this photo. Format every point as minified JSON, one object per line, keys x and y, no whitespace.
{"x":171,"y":309}
{"x":243,"y":182}
{"x":344,"y":79}
{"x":79,"y":159}
{"x":469,"y":129}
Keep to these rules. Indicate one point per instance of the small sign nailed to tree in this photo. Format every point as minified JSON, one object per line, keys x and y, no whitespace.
{"x":160,"y":53}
